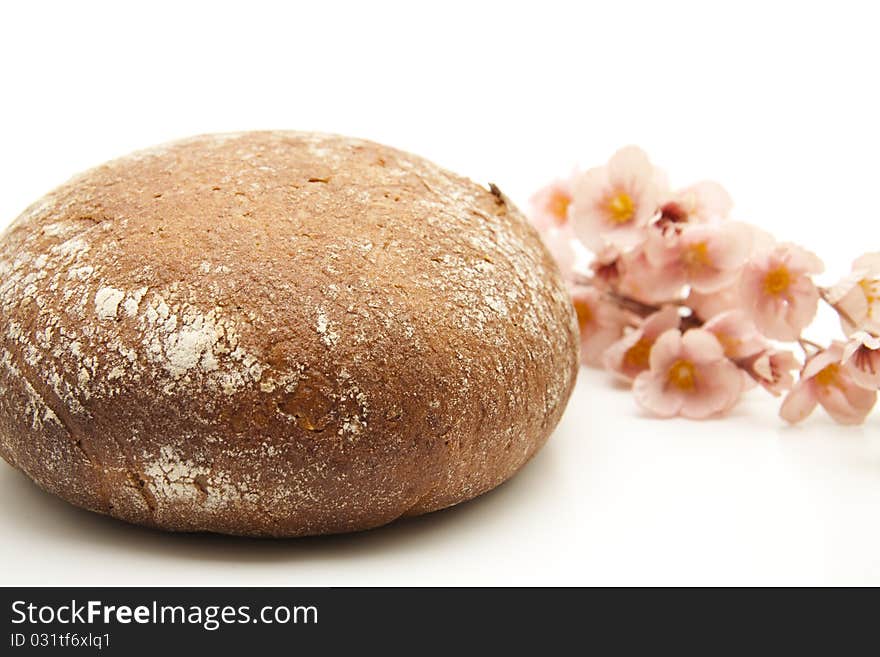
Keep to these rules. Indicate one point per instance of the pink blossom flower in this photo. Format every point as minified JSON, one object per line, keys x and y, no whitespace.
{"x":707,"y":305}
{"x":700,"y":203}
{"x":601,"y":323}
{"x":689,"y":376}
{"x":825,"y":381}
{"x":550,"y":206}
{"x":777,"y":291}
{"x":708,"y":257}
{"x":858,"y":295}
{"x":630,"y":355}
{"x":737,"y":334}
{"x":614,"y":203}
{"x":861,"y":358}
{"x":772,"y":369}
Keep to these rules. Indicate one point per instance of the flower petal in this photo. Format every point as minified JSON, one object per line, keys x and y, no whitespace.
{"x":643,"y":281}
{"x":732,"y":245}
{"x":844,"y":286}
{"x":847,"y":403}
{"x":823,"y":359}
{"x":709,"y":200}
{"x":719,"y":386}
{"x":551,"y":205}
{"x":630,"y":167}
{"x":664,"y":319}
{"x":595,"y":341}
{"x":666,"y":350}
{"x":653,"y":395}
{"x":560,"y":244}
{"x":736,"y":333}
{"x":799,"y":403}
{"x":798,"y":258}
{"x":587,"y":220}
{"x":700,"y":346}
{"x":708,"y":305}
{"x":855,"y":306}
{"x":803,"y":306}
{"x":624,"y":239}
{"x":860,"y":399}
{"x":869,"y":263}
{"x":613,"y":358}
{"x":769,"y":316}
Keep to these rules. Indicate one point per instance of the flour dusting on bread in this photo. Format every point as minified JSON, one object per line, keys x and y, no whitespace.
{"x":277,"y":333}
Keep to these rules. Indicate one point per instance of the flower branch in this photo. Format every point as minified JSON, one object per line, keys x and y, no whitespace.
{"x":692,"y":308}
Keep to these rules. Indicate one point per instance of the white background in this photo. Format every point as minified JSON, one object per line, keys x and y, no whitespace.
{"x":779,"y":102}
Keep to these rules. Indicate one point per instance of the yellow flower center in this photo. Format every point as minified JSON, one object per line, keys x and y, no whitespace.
{"x":621,"y":208}
{"x":639,"y":355}
{"x":696,"y":256}
{"x":584,"y":313}
{"x":828,"y":376}
{"x":558,"y":206}
{"x":777,"y":281}
{"x":682,"y":375}
{"x":871,"y":290}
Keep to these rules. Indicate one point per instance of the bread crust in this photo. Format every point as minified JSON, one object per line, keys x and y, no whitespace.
{"x":277,"y":334}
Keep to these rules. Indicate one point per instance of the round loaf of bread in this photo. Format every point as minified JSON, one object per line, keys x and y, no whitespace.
{"x":277,"y":334}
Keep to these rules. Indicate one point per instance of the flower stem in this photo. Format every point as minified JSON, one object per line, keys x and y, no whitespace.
{"x":633,"y":305}
{"x":642,"y":309}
